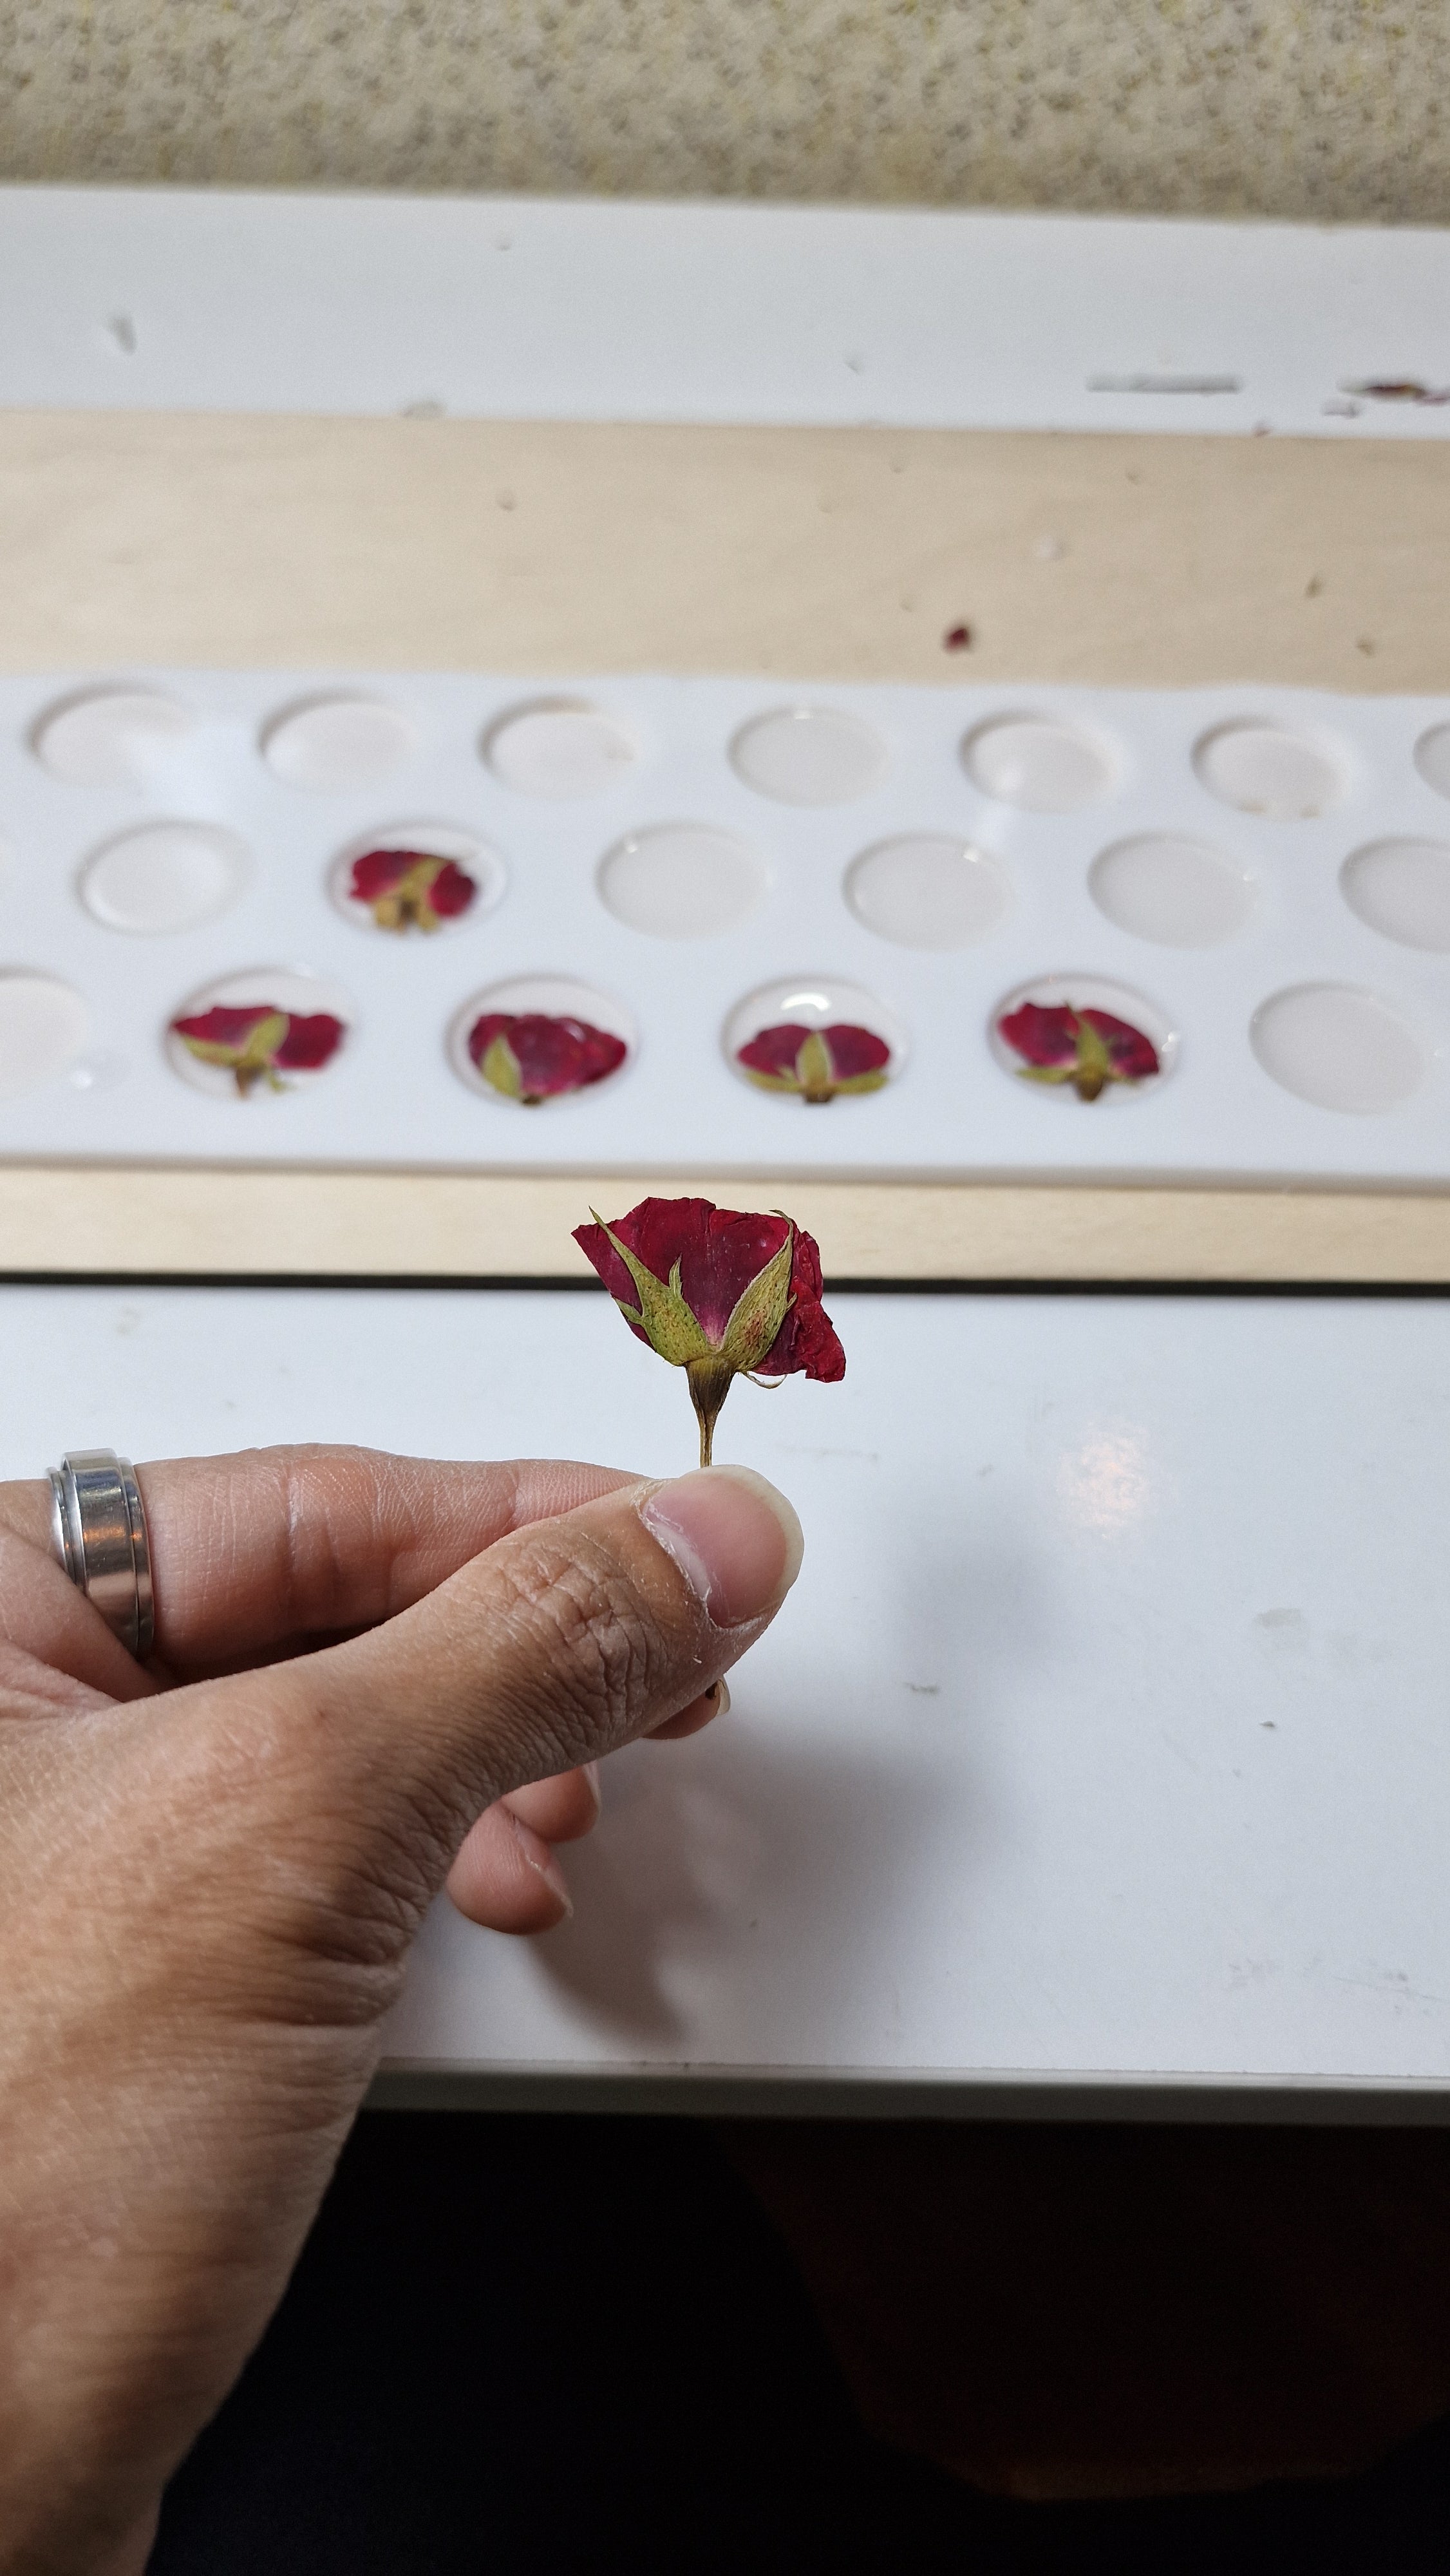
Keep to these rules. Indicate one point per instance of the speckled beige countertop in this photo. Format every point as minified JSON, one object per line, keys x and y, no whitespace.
{"x":1326,"y":109}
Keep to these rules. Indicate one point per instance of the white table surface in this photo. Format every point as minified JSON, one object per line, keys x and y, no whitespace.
{"x":1102,"y":1754}
{"x":591,"y":309}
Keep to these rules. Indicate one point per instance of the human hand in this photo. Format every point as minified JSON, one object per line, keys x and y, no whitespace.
{"x":373,"y":1675}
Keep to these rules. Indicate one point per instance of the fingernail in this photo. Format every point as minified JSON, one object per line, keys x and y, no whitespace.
{"x":722,"y":1699}
{"x":592,"y":1775}
{"x":736,"y":1541}
{"x":540,"y":1857}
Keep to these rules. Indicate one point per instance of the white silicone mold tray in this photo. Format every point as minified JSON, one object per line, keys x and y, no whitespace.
{"x":692,"y":924}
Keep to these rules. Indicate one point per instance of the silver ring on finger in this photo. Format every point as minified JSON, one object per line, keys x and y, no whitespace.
{"x":98,"y":1531}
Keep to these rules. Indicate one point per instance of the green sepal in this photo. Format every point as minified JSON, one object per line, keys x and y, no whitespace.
{"x":500,"y":1068}
{"x":759,"y":1311}
{"x":815,"y":1069}
{"x":662,"y":1315}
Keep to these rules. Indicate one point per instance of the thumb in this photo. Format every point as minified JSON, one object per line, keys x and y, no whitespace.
{"x":560,"y":1642}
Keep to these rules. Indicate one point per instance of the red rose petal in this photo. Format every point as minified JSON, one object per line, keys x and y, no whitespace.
{"x":224,"y":1024}
{"x":310,"y":1041}
{"x":554,"y":1053}
{"x":1041,"y":1033}
{"x":1134,"y":1054}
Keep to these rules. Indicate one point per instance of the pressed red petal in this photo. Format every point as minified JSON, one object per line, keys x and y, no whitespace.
{"x":309,"y":1042}
{"x":854,"y":1050}
{"x":774,"y":1050}
{"x":720,"y":1251}
{"x":1041,"y":1033}
{"x":553,"y":1054}
{"x":1134,"y":1054}
{"x":452,"y":891}
{"x":224,"y":1025}
{"x":378,"y":871}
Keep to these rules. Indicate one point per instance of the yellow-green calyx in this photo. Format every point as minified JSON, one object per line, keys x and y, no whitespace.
{"x":251,"y":1062}
{"x":671,"y":1327}
{"x":814,"y":1076}
{"x":1091,"y":1070}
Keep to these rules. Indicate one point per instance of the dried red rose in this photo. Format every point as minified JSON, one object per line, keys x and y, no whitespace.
{"x":534,"y":1055}
{"x":717,"y":1293}
{"x":816,"y":1063}
{"x":258,"y":1044}
{"x":1089,"y":1049}
{"x":406,"y":889}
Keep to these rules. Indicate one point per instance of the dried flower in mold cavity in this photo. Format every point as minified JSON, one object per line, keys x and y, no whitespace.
{"x":257,"y":1044}
{"x":535,"y":1055}
{"x":717,"y":1293}
{"x":409,"y":889}
{"x":816,"y":1063}
{"x":1089,"y":1049}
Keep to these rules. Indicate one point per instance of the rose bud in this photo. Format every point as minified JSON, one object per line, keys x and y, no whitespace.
{"x":409,"y":889}
{"x":717,"y":1293}
{"x":257,"y":1044}
{"x":816,"y":1063}
{"x":1089,"y":1049}
{"x":531,"y":1056}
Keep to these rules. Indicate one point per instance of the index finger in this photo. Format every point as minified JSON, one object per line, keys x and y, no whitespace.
{"x":273,"y":1548}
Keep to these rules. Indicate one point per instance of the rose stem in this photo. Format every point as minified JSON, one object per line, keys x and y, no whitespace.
{"x":709,"y":1385}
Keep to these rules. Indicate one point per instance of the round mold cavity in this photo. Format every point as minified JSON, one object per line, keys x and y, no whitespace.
{"x":1178,"y":893}
{"x":1082,"y":1038}
{"x":258,"y":1035}
{"x":331,"y":744}
{"x":1432,"y":758}
{"x":809,"y":756}
{"x":927,"y":890}
{"x":682,"y":881}
{"x":43,"y":1028}
{"x":164,"y":877}
{"x":1268,"y":769}
{"x":1041,"y":763}
{"x":426,"y":877}
{"x":111,"y":737}
{"x":1338,"y":1047}
{"x":560,"y":748}
{"x":536,"y":1041}
{"x":1402,"y":890}
{"x":814,"y":1039}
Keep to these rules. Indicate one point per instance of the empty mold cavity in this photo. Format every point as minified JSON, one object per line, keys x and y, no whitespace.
{"x":1338,"y":1047}
{"x":425,"y":877}
{"x":331,"y":744}
{"x":813,"y":1039}
{"x":43,"y":1028}
{"x":927,"y":890}
{"x":560,"y":747}
{"x":538,"y":1040}
{"x":682,"y":881}
{"x":1266,"y":769}
{"x":111,"y":737}
{"x":1178,"y":893}
{"x":1039,"y":763}
{"x":258,"y":1035}
{"x":164,"y":877}
{"x":1432,"y":758}
{"x":1082,"y":1038}
{"x":809,"y":756}
{"x":1402,"y":890}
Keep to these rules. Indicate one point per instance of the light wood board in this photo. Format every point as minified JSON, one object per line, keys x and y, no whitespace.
{"x":832,"y":553}
{"x":186,"y":1221}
